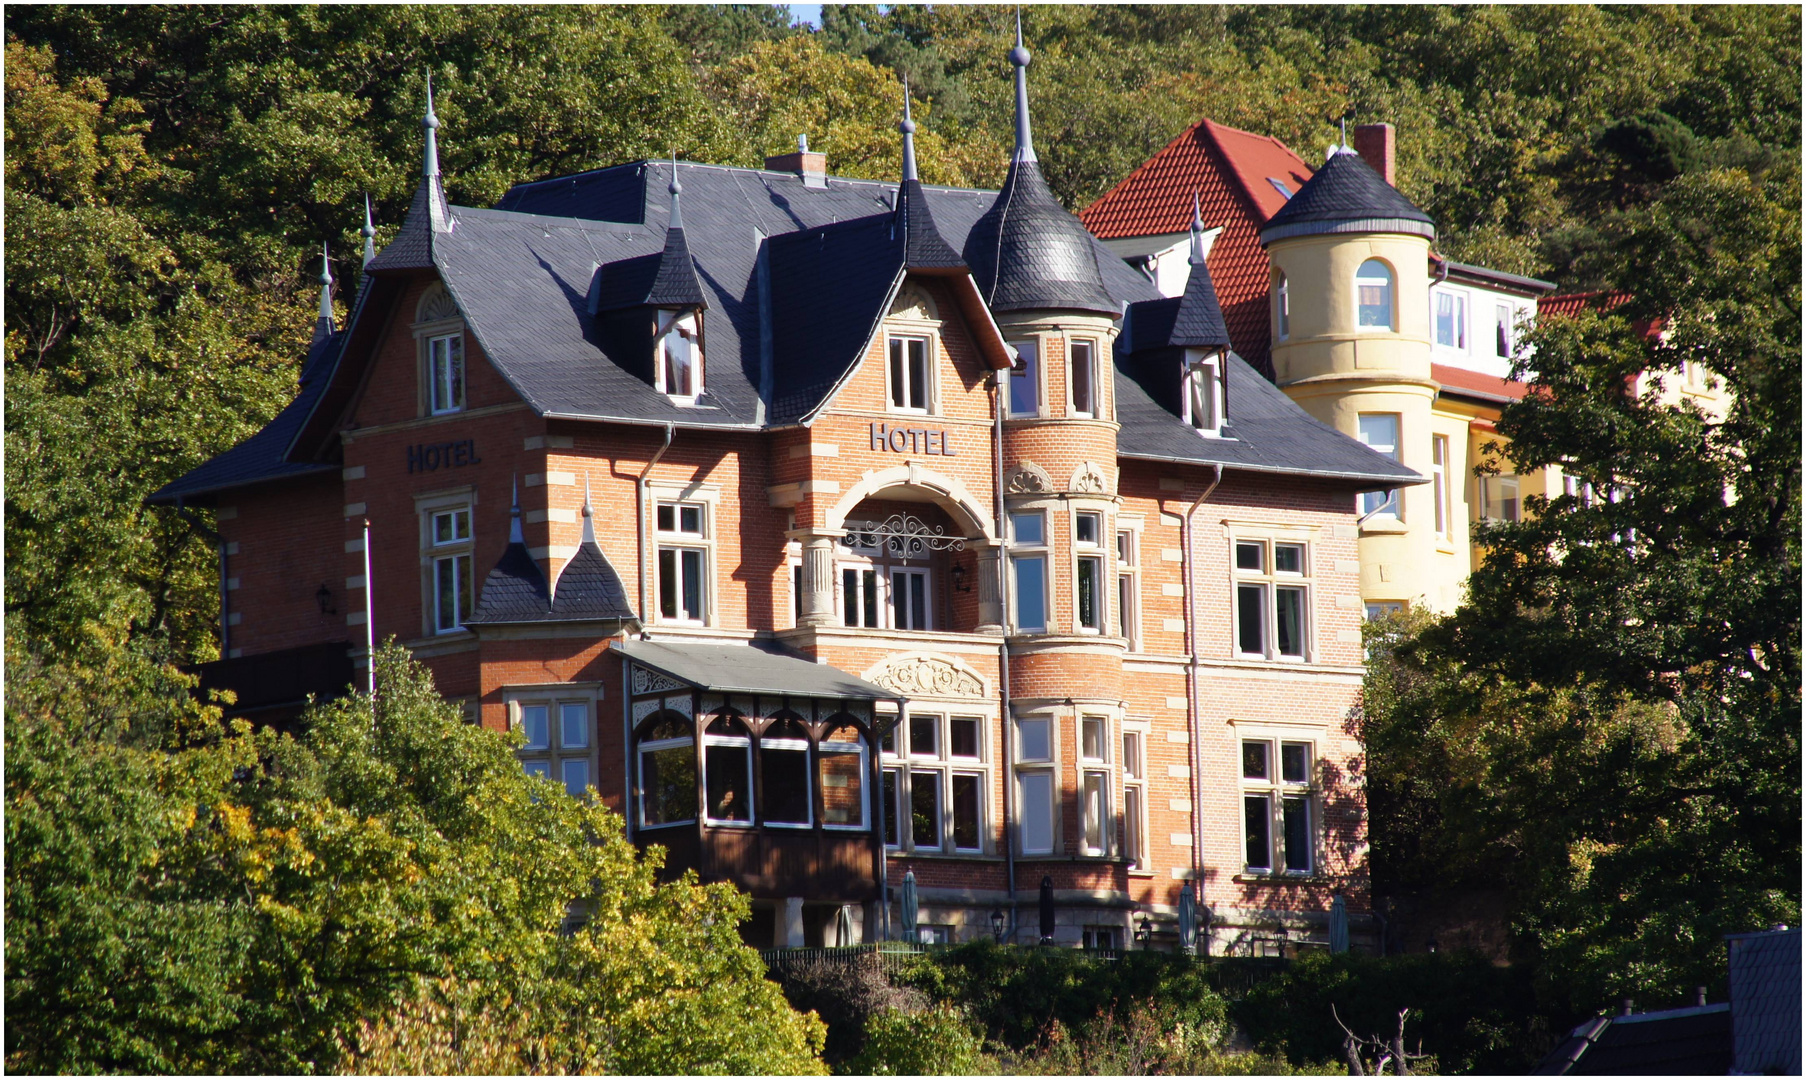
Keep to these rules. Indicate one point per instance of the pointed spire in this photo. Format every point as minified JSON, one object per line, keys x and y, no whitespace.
{"x":325,"y":283}
{"x":908,"y":127}
{"x":431,"y":123}
{"x":589,"y":525}
{"x":676,"y":189}
{"x":1025,"y":143}
{"x":515,"y":536}
{"x":438,"y":210}
{"x":369,"y":232}
{"x":1197,"y":232}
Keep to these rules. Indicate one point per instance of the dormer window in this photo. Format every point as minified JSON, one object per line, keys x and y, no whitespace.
{"x":1204,"y":394}
{"x":678,"y":365}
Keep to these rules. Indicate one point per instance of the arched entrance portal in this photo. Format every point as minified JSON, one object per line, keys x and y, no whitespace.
{"x":905,"y":549}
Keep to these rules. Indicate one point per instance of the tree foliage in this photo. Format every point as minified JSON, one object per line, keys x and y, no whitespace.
{"x":185,"y":896}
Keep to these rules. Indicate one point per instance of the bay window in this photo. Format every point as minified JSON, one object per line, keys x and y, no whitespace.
{"x":1088,"y":585}
{"x":1373,"y":296}
{"x":784,"y":774}
{"x":1134,"y":799}
{"x":727,"y":772}
{"x":1094,"y":785}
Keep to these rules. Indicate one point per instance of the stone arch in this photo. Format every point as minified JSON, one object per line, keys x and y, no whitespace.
{"x":929,"y":675}
{"x":944,"y":491}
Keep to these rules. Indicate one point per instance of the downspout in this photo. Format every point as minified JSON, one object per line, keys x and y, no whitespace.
{"x":1003,"y":648}
{"x":640,"y":491}
{"x":1192,"y":706}
{"x":225,"y":595}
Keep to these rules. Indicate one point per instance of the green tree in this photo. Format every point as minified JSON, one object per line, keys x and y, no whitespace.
{"x":191,"y":897}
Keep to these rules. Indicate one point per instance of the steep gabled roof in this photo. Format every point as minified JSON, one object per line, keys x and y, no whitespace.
{"x":1237,"y":177}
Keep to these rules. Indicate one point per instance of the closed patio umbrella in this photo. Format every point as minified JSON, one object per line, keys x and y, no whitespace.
{"x":1188,"y":922}
{"x":843,"y":928}
{"x":909,"y":905}
{"x":1047,"y":910}
{"x":1338,"y":925}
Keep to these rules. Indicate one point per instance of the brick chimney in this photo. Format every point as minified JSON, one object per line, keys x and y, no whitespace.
{"x":812,"y":167}
{"x":1374,"y":142}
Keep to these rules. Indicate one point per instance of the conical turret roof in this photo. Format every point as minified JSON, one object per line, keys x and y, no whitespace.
{"x":923,"y":246}
{"x":1345,"y":196}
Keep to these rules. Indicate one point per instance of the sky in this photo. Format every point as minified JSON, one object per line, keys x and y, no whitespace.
{"x":806,"y":13}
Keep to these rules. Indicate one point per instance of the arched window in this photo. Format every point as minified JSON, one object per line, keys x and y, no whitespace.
{"x":667,"y":748}
{"x":1282,"y":306}
{"x":727,"y":771}
{"x":1204,"y":393}
{"x":678,"y":365}
{"x":840,"y":764}
{"x":784,"y":771}
{"x":1373,"y":296}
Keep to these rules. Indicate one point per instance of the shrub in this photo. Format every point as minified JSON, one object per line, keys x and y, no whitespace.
{"x":846,"y":996}
{"x":934,"y":1042}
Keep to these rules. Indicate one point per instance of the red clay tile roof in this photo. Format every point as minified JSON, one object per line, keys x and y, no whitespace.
{"x":1575,"y":303}
{"x":1460,"y":381}
{"x":1229,"y":169}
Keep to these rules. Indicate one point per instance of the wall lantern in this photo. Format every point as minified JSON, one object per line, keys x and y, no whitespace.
{"x":960,"y":584}
{"x":324,"y":599}
{"x":1144,"y":931}
{"x":997,"y":921}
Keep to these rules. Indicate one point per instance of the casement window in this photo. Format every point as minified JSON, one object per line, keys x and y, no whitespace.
{"x":936,"y":784}
{"x":859,"y":601}
{"x":666,"y":746}
{"x":1373,"y":296}
{"x":1105,"y":939}
{"x":1028,"y":569}
{"x":840,"y":769}
{"x":909,"y":599}
{"x":1205,"y":394}
{"x":1502,"y":326}
{"x":1451,"y":320}
{"x":558,"y":741}
{"x":1272,"y":599}
{"x":1135,"y":799}
{"x":784,"y":774}
{"x":1082,"y":377}
{"x":1499,"y":498}
{"x":445,"y":373}
{"x":879,"y":591}
{"x":1380,"y":432}
{"x":1278,"y":806}
{"x":1025,"y":379}
{"x":727,"y":758}
{"x":1439,"y":483}
{"x":1037,"y":812}
{"x":1282,"y":307}
{"x":1383,"y":609}
{"x":1095,"y":819}
{"x":911,"y":375}
{"x":1128,"y":587}
{"x":1088,"y":584}
{"x":452,"y":583}
{"x":683,"y":562}
{"x":677,"y":366}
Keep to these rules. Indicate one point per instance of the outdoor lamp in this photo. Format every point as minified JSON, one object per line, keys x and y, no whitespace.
{"x":324,"y":599}
{"x":1144,"y":932}
{"x":997,"y":925}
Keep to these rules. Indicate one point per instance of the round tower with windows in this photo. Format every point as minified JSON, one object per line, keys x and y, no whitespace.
{"x":1351,"y":342}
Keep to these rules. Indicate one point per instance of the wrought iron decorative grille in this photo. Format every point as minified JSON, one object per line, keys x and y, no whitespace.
{"x":902,"y":536}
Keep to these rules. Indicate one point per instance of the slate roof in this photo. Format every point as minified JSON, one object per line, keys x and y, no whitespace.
{"x":1346,"y":195}
{"x":1234,"y":174}
{"x":1027,"y":252}
{"x":1673,"y":1042}
{"x":1765,"y":1002}
{"x":1266,"y":431}
{"x":515,"y":591}
{"x":757,"y":669}
{"x":1192,"y":320}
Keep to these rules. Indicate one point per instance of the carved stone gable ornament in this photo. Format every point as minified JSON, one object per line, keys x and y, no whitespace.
{"x":927,"y":676}
{"x":1028,"y":478}
{"x":1090,"y":479}
{"x":437,"y":305}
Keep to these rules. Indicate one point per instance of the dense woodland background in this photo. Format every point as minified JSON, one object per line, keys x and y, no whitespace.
{"x":1610,"y":728}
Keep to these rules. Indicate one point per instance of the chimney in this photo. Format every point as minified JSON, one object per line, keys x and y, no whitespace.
{"x":812,"y":167}
{"x":1374,"y":142}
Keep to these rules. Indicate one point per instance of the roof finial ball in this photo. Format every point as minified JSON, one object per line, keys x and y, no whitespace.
{"x":1019,"y":55}
{"x":431,"y":123}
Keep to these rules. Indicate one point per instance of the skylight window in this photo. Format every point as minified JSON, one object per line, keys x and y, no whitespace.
{"x":1279,"y":186}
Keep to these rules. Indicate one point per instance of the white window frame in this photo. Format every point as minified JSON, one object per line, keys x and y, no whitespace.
{"x":1389,"y":502}
{"x":899,"y":596}
{"x":1504,"y":330}
{"x":1088,"y":380}
{"x":1128,"y":583}
{"x":1030,"y":352}
{"x":826,"y":748}
{"x":556,"y":698}
{"x":1277,"y":790}
{"x":641,"y":749}
{"x":1026,"y":552}
{"x":1497,"y":486}
{"x":1204,"y":399}
{"x":447,"y":375}
{"x":684,"y":323}
{"x":785,"y":744}
{"x":1282,"y":306}
{"x":678,"y":540}
{"x":1460,"y":314}
{"x":1096,"y":820}
{"x":893,"y":372}
{"x":944,"y":766}
{"x":1271,"y":583}
{"x":1439,"y":484}
{"x":460,"y":552}
{"x":1391,"y":298}
{"x":1380,"y":609}
{"x":745,"y":743}
{"x":1038,"y":769}
{"x":1135,"y":795}
{"x":1091,"y":552}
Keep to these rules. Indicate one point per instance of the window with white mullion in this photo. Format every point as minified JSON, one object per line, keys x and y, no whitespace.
{"x":1082,"y":377}
{"x":1088,"y":583}
{"x":1037,"y":810}
{"x":1134,"y":798}
{"x":1094,"y":785}
{"x":1278,"y":806}
{"x":1128,"y":587}
{"x":1205,"y":393}
{"x":1028,"y":568}
{"x":683,"y":562}
{"x":1272,"y":599}
{"x":453,"y":582}
{"x":936,"y":784}
{"x":557,"y":744}
{"x":445,"y":366}
{"x":910,"y":374}
{"x":1380,"y":431}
